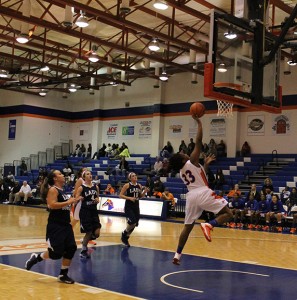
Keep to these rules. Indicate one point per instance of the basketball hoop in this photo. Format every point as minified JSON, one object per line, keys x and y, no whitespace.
{"x":225,"y":109}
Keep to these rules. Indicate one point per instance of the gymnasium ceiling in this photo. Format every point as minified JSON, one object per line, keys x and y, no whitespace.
{"x":119,"y":32}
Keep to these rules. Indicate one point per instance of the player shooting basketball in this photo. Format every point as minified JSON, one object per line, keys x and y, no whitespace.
{"x":199,"y":197}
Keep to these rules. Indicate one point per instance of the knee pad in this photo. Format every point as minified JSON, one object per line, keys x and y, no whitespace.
{"x":70,"y":251}
{"x":54,"y":255}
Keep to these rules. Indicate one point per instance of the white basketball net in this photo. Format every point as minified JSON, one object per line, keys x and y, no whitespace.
{"x":225,"y":109}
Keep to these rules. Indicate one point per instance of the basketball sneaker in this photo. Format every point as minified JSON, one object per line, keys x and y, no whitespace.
{"x":65,"y":279}
{"x":84,"y":254}
{"x":293,"y":230}
{"x":31,"y":261}
{"x":176,"y":259}
{"x":206,"y":228}
{"x":125,"y":239}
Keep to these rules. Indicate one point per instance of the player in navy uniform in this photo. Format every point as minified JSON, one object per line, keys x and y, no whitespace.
{"x":132,"y":192}
{"x":89,"y":219}
{"x":200,"y":197}
{"x":59,"y":233}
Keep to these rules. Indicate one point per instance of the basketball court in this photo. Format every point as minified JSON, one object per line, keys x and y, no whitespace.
{"x":237,"y":264}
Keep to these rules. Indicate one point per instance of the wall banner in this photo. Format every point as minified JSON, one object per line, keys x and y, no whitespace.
{"x":281,"y":125}
{"x":11,"y":129}
{"x":256,"y":125}
{"x":217,"y":127}
{"x":112,"y":131}
{"x":145,"y":130}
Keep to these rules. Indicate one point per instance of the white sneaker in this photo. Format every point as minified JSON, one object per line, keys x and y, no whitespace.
{"x":176,"y":259}
{"x":206,"y":228}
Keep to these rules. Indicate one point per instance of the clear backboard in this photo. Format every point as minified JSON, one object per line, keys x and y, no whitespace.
{"x":233,"y":74}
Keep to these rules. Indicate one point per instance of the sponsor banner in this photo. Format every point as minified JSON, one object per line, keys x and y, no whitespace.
{"x":176,"y":129}
{"x":11,"y":129}
{"x":84,"y":132}
{"x":145,"y":129}
{"x":147,"y":206}
{"x":112,"y":131}
{"x":256,"y":125}
{"x":217,"y":127}
{"x":127,"y":130}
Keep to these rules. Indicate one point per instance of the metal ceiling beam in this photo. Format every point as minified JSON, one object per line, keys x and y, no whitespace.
{"x":80,"y":35}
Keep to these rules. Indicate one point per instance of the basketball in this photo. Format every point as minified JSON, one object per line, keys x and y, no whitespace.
{"x":197,"y":109}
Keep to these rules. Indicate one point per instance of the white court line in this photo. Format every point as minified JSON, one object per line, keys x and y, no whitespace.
{"x":162,"y":279}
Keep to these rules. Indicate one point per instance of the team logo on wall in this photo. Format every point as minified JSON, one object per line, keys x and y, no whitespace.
{"x":112,"y":131}
{"x":281,"y":125}
{"x":256,"y":125}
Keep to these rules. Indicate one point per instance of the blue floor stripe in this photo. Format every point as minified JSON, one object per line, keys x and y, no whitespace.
{"x":138,"y":272}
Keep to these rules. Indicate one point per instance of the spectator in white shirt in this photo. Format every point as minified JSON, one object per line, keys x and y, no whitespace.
{"x":25,"y":192}
{"x":158,"y":165}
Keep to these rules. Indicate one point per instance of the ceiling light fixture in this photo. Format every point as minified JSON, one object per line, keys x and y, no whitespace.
{"x":230,"y":35}
{"x":222,"y":68}
{"x":3,"y":74}
{"x":44,"y":69}
{"x":160,"y":4}
{"x":154,"y":45}
{"x":82,"y":21}
{"x":42,"y":93}
{"x":22,"y":38}
{"x":292,"y":62}
{"x":163,"y":76}
{"x":72,"y":88}
{"x":93,"y":57}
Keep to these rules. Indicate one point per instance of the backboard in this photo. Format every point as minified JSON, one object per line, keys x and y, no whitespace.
{"x":233,"y":74}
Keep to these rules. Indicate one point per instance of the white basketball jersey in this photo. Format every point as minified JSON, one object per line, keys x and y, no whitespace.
{"x":193,"y":177}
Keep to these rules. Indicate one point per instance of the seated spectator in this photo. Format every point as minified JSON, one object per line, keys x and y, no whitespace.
{"x":150,"y":185}
{"x":4,"y":189}
{"x":96,"y":181}
{"x":237,"y":205}
{"x":263,"y":208}
{"x":292,"y":201}
{"x":285,"y":195}
{"x":183,"y":147}
{"x":294,"y":222}
{"x":13,"y":192}
{"x":67,"y":171}
{"x":109,"y":190}
{"x":158,"y":186}
{"x":124,"y":153}
{"x":191,"y":146}
{"x":219,"y":179}
{"x":234,"y":191}
{"x":108,"y":150}
{"x":167,"y":150}
{"x":253,"y":191}
{"x":212,"y":148}
{"x":267,"y":186}
{"x":251,"y":209}
{"x":123,"y":147}
{"x":157,"y":166}
{"x":23,"y":169}
{"x":82,"y":151}
{"x":276,"y":211}
{"x":10,"y":178}
{"x":204,"y":149}
{"x":101,"y":151}
{"x":121,"y":168}
{"x":166,"y":195}
{"x":221,"y":149}
{"x":25,"y":192}
{"x":245,"y":149}
{"x":89,"y":151}
{"x":210,"y":178}
{"x":76,"y":150}
{"x":163,"y":172}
